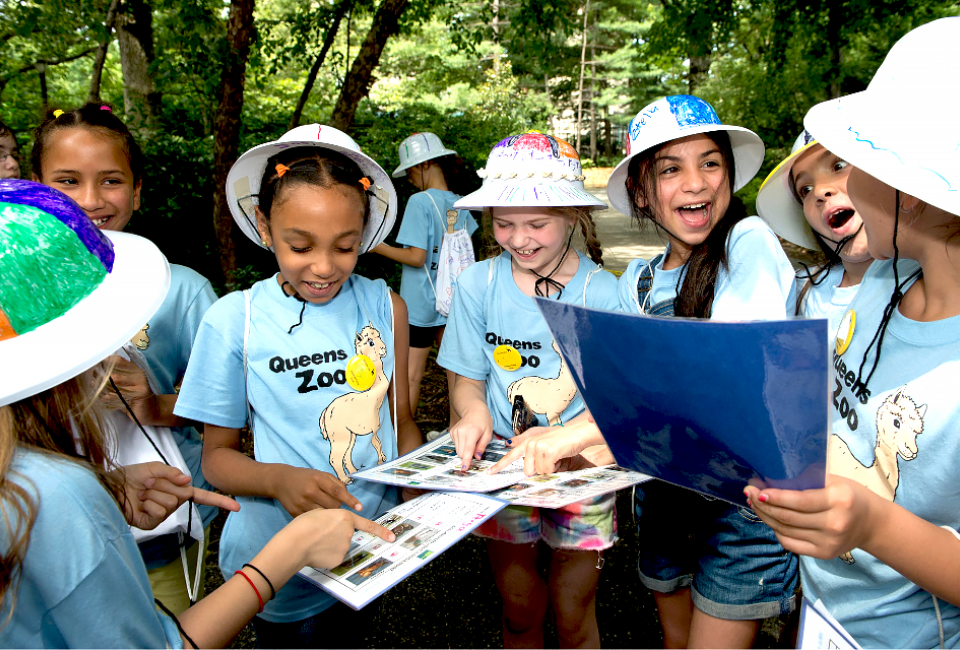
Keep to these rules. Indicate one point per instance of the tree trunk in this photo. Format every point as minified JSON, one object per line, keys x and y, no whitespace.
{"x":834,"y":24}
{"x":583,"y":59}
{"x":342,"y":8}
{"x":141,"y":101}
{"x":699,"y":68}
{"x":101,"y":56}
{"x":386,"y":23}
{"x":226,"y":126}
{"x":593,"y":90}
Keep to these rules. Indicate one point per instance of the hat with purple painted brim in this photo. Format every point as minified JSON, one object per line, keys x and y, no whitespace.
{"x":678,"y":116}
{"x":531,"y":169}
{"x":902,"y":129}
{"x":70,"y":295}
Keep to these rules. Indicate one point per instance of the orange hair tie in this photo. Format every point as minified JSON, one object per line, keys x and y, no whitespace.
{"x":366,"y":183}
{"x":281,"y":170}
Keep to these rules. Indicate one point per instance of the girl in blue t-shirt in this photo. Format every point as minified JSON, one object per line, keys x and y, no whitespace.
{"x":310,"y":359}
{"x":71,"y":574}
{"x":879,"y":542}
{"x":90,"y":155}
{"x":501,"y":350}
{"x":805,"y":201}
{"x":438,"y":174}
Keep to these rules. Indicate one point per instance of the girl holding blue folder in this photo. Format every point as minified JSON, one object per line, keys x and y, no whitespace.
{"x":879,"y":542}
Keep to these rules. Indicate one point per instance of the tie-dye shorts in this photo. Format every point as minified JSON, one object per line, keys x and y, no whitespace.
{"x":589,"y":525}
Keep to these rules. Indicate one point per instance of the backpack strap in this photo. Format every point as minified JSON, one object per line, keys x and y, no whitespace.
{"x":246,"y":338}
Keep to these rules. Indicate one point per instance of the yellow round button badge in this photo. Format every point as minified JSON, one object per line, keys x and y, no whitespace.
{"x":361,"y":373}
{"x":845,"y":331}
{"x":507,"y":357}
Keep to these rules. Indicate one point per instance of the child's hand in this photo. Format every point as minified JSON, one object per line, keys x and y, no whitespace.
{"x":324,"y":535}
{"x":301,"y":490}
{"x":546,"y":450}
{"x":132,"y":382}
{"x":820,"y":523}
{"x":155,"y":491}
{"x":472,"y":434}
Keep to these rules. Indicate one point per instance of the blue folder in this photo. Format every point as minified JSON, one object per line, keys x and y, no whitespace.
{"x":704,"y":405}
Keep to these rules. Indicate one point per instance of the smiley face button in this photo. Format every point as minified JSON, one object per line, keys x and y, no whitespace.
{"x":361,"y":373}
{"x":507,"y":357}
{"x":845,"y":331}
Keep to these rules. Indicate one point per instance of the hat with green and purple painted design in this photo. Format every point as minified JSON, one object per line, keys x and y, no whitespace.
{"x":531,"y":169}
{"x":69,"y":294}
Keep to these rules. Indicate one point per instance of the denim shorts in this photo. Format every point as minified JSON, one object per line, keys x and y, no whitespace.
{"x":588,"y":525}
{"x":731,"y":560}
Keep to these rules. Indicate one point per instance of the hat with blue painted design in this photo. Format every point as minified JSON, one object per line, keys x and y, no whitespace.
{"x":531,"y":169}
{"x":71,"y":294}
{"x":419,"y":148}
{"x":777,"y":201}
{"x":675,"y":117}
{"x":902,"y":129}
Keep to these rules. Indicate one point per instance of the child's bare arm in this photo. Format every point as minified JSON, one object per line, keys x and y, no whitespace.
{"x":409,"y":436}
{"x":846,"y":515}
{"x":297,"y":489}
{"x":475,"y":428}
{"x":411,"y":256}
{"x":150,"y":409}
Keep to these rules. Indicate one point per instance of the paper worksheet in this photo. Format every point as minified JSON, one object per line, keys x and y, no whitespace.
{"x":819,"y":629}
{"x":425,"y":527}
{"x":436,"y":466}
{"x":564,"y":488}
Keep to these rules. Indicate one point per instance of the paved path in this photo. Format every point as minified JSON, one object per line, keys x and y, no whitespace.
{"x":620,"y":237}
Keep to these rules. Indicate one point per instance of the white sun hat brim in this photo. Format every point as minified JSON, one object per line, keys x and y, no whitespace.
{"x":94,"y":328}
{"x":901,"y":130}
{"x":428,"y":146}
{"x":243,"y":181}
{"x":748,"y":151}
{"x":777,"y":205}
{"x":506,"y":194}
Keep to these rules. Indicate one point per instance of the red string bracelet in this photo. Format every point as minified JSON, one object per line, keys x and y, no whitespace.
{"x":255,"y":590}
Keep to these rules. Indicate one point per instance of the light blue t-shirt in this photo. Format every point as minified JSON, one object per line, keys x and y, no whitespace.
{"x":489,"y":311}
{"x":82,"y":583}
{"x":903,"y":427}
{"x":303,"y":409}
{"x":757,"y":285}
{"x":827,"y":299}
{"x":422,"y":227}
{"x":166,"y":343}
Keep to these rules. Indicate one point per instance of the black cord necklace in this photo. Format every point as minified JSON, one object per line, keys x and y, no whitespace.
{"x":297,"y":296}
{"x":547,"y":280}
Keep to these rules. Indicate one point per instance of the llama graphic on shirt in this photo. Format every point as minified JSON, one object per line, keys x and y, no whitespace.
{"x":140,"y":339}
{"x":899,"y":422}
{"x":357,"y":414}
{"x":547,"y":395}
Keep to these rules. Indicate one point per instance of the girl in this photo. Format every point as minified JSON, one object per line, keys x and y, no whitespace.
{"x":880,"y":541}
{"x":90,"y":155}
{"x":9,"y":153}
{"x":437,"y":173}
{"x":307,"y":359}
{"x":57,"y":484}
{"x":501,"y":350}
{"x":805,"y":202}
{"x":721,"y":571}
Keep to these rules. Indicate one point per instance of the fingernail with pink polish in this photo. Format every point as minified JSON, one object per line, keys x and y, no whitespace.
{"x":762,"y":498}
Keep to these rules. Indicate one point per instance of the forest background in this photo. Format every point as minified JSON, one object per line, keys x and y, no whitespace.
{"x":201,"y":81}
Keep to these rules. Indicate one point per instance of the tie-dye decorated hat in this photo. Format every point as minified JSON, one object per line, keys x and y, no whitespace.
{"x":531,"y":169}
{"x":678,"y":116}
{"x":70,"y":295}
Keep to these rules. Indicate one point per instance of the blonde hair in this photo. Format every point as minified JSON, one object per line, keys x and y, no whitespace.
{"x":64,"y":421}
{"x":580,"y":215}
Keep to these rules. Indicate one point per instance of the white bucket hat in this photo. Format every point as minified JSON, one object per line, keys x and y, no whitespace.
{"x":71,"y":295}
{"x":243,"y":182}
{"x":777,"y":203}
{"x":531,"y":169}
{"x":902,"y":129}
{"x":678,"y":116}
{"x":418,"y":148}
